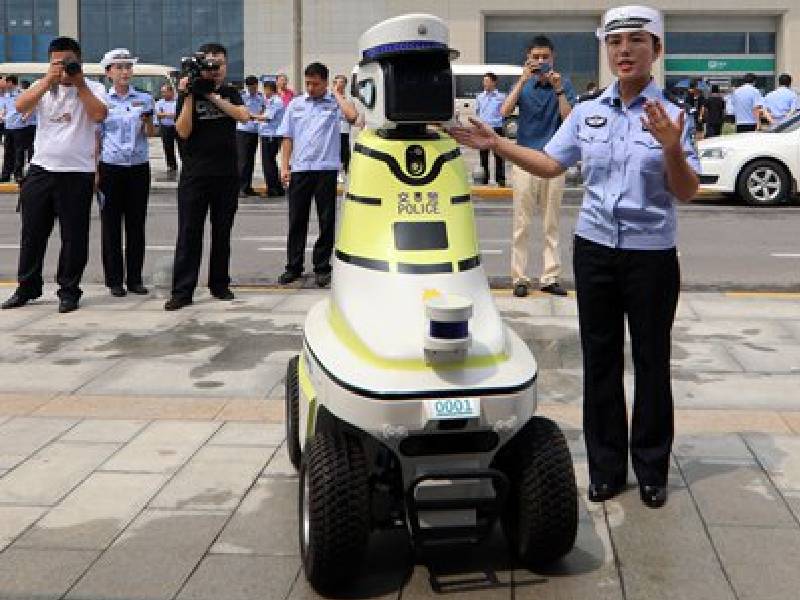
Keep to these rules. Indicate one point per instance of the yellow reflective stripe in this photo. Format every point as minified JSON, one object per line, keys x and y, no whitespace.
{"x":361,"y":351}
{"x":308,"y":391}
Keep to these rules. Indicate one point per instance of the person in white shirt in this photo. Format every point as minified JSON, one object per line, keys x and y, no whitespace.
{"x":60,"y":181}
{"x":780,"y":103}
{"x":745,"y":102}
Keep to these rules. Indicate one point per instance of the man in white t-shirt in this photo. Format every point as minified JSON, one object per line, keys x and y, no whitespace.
{"x":60,"y":181}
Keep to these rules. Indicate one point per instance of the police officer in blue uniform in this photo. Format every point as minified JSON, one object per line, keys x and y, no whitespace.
{"x":247,"y":135}
{"x":270,"y":121}
{"x":638,"y":159}
{"x":124,"y":175}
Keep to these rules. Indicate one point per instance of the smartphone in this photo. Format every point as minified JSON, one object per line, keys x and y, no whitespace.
{"x":543,"y":68}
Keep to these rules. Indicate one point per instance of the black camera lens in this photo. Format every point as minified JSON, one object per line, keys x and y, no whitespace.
{"x":72,"y":67}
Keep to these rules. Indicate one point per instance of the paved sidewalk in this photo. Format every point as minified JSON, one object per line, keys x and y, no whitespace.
{"x":141,"y":456}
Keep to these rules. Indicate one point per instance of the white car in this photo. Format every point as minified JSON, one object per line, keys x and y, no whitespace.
{"x":762,"y":167}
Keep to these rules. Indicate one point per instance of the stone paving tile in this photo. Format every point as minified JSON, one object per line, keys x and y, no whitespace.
{"x":562,"y":386}
{"x":729,"y":308}
{"x":16,"y":519}
{"x":687,"y":582}
{"x":730,"y":492}
{"x":28,"y":574}
{"x":761,"y":563}
{"x":280,"y":465}
{"x":152,"y":558}
{"x":793,"y":420}
{"x":794,"y":328}
{"x":747,"y":332}
{"x":215,"y":478}
{"x":52,"y":472}
{"x":300,"y":301}
{"x":750,"y":391}
{"x":793,"y":500}
{"x":565,"y":307}
{"x":162,"y":447}
{"x":94,"y":513}
{"x":188,"y":378}
{"x":779,"y":455}
{"x":155,"y":345}
{"x":22,"y":436}
{"x":265,"y":523}
{"x":249,"y":434}
{"x":242,"y":578}
{"x":772,"y":358}
{"x":21,"y":346}
{"x":689,"y":421}
{"x":707,"y":357}
{"x":108,"y":431}
{"x":41,"y":375}
{"x":105,"y":320}
{"x":22,"y":403}
{"x":289,"y":324}
{"x":269,"y":410}
{"x":711,"y":446}
{"x":133,"y":407}
{"x":11,"y":320}
{"x":537,"y":305}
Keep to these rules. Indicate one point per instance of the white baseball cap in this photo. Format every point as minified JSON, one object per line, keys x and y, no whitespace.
{"x":118,"y":55}
{"x":624,"y":19}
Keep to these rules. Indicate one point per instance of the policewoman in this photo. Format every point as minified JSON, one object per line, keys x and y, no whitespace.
{"x":638,"y":160}
{"x":124,"y":175}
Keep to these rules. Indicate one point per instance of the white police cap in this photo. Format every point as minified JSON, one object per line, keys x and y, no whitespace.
{"x":118,"y":55}
{"x":624,"y":19}
{"x":406,"y":34}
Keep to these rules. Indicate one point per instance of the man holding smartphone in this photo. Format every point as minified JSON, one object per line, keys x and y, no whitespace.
{"x":545,"y":99}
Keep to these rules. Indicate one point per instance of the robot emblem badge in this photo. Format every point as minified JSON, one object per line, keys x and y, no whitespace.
{"x":412,"y":405}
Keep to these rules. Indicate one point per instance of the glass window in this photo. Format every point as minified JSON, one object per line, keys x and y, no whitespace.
{"x":684,"y":42}
{"x":577,"y":53}
{"x":761,"y":43}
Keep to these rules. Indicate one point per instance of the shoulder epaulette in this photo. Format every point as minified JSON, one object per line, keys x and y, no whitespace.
{"x":591,"y":95}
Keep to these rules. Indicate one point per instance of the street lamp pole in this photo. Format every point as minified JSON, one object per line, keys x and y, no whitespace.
{"x":297,"y":45}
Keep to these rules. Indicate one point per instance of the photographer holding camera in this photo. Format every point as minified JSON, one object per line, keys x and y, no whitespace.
{"x":60,"y":181}
{"x":208,"y":111}
{"x":545,"y":100}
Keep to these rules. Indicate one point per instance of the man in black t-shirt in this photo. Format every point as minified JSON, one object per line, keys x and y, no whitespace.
{"x":209,"y":179}
{"x":713,"y":112}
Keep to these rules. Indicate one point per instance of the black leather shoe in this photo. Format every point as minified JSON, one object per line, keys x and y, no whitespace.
{"x":600,"y":492}
{"x":138,"y":289}
{"x":323,"y":279}
{"x":176,"y":303}
{"x":118,"y":291}
{"x":288,"y":277}
{"x":555,"y":289}
{"x":654,"y":496}
{"x":223,"y":295}
{"x":521,"y":289}
{"x":15,"y":301}
{"x":67,"y":305}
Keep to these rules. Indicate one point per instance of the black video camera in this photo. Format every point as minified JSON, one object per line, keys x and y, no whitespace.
{"x":193,"y":67}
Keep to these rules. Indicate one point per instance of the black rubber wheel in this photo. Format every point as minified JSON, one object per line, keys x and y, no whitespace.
{"x":541,"y":516}
{"x":764,"y":182}
{"x":334,"y":510}
{"x":292,"y":399}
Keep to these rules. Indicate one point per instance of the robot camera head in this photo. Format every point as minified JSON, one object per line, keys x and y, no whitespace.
{"x":404,"y":75}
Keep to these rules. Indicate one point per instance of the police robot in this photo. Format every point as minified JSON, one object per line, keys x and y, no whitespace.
{"x":412,"y":404}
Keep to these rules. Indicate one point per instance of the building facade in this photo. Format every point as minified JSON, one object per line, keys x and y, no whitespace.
{"x":716,"y":40}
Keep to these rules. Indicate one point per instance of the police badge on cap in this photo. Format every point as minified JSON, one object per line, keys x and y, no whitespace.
{"x":623,"y":19}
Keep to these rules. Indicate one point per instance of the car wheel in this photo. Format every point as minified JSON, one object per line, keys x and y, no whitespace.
{"x":764,"y":182}
{"x":292,"y":419}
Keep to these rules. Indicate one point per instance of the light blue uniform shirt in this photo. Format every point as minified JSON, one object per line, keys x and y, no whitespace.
{"x":743,"y":100}
{"x":14,"y":119}
{"x":166,"y":106}
{"x":274,"y":112}
{"x":313,"y":125}
{"x":780,"y":103}
{"x":123,"y":139}
{"x":626,"y":202}
{"x":487,"y":107}
{"x":255,"y":106}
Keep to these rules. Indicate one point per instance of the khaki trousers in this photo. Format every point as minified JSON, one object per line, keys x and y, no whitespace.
{"x":531,"y":192}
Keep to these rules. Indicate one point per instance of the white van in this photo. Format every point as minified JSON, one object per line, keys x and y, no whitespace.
{"x":469,"y":83}
{"x":146,"y":77}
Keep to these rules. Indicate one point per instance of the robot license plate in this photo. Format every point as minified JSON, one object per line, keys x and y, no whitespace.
{"x":453,"y":408}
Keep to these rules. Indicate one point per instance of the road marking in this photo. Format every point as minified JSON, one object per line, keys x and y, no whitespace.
{"x":9,"y":246}
{"x":780,"y":295}
{"x":160,"y":248}
{"x":785,"y":255}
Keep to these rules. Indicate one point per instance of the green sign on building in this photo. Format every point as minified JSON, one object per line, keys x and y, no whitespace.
{"x":719,"y":65}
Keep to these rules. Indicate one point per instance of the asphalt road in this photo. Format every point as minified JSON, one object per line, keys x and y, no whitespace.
{"x":723,"y":244}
